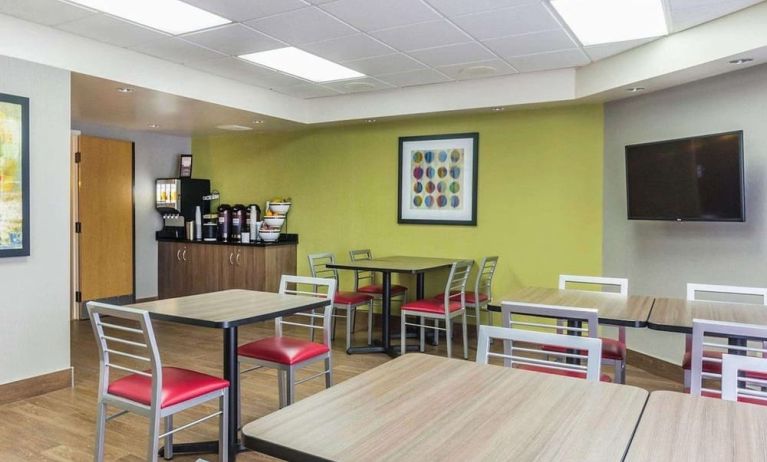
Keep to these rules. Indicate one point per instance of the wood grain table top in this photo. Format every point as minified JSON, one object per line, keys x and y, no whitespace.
{"x":682,"y":428}
{"x":676,"y":314}
{"x":228,"y":308}
{"x":420,"y":407}
{"x":614,"y":309}
{"x":397,"y":264}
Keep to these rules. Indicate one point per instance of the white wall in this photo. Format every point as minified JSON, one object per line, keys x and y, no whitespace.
{"x":34,"y":308}
{"x":659,"y":258}
{"x":156,"y":157}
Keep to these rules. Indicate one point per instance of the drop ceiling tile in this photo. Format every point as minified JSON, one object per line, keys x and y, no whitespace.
{"x":111,"y":30}
{"x":348,"y":48}
{"x":477,"y":70}
{"x":302,"y":26}
{"x":453,"y":54}
{"x":233,"y":39}
{"x":243,"y":10}
{"x":453,"y":8}
{"x":548,"y":61}
{"x":176,"y":50}
{"x":357,"y":85}
{"x":597,"y":52}
{"x":237,"y":69}
{"x":46,"y":12}
{"x":319,"y":2}
{"x":690,"y":14}
{"x":527,"y":44}
{"x":388,"y":64}
{"x":412,"y":78}
{"x":508,"y":21}
{"x":422,"y":35}
{"x":370,"y":15}
{"x":307,"y":90}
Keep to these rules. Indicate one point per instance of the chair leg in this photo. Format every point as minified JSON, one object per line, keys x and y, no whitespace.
{"x":101,"y":422}
{"x":168,"y":453}
{"x":621,"y":369}
{"x":223,"y":427}
{"x":290,"y":383}
{"x":349,"y":325}
{"x":687,"y":380}
{"x":329,"y":374}
{"x":436,"y":332}
{"x":370,"y":323}
{"x":281,"y":386}
{"x":449,"y":337}
{"x":154,"y":433}
{"x":333,"y":319}
{"x":402,"y":333}
{"x":423,"y":334}
{"x":239,"y":395}
{"x":466,"y":337}
{"x":478,"y":319}
{"x":311,"y":323}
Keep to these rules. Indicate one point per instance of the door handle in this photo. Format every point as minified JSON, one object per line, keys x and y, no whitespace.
{"x":183,"y":255}
{"x":231,"y":256}
{"x":178,"y":254}
{"x":238,"y":258}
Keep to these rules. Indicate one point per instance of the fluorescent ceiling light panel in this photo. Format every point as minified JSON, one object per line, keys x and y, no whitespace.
{"x":297,"y":62}
{"x":171,"y":16}
{"x":607,"y":21}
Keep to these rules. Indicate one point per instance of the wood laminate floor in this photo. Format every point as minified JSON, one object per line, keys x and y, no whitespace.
{"x":60,"y":426}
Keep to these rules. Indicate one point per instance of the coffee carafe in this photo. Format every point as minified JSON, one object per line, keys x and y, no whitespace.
{"x":224,"y":222}
{"x":238,"y":222}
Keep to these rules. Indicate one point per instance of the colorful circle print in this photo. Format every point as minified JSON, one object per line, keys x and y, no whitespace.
{"x":455,"y":155}
{"x":417,"y":157}
{"x":430,"y":172}
{"x":430,"y":187}
{"x":429,"y":201}
{"x":454,"y":187}
{"x":443,"y":156}
{"x":418,"y":173}
{"x":418,"y":188}
{"x":442,"y":201}
{"x":428,"y":156}
{"x":442,"y":187}
{"x":442,"y":172}
{"x":455,"y":202}
{"x":455,"y":172}
{"x":417,"y":201}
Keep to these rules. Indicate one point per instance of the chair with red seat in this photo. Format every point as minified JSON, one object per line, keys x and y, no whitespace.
{"x":289,"y":354}
{"x":559,"y":320}
{"x":482,"y":295}
{"x":692,"y":294}
{"x":535,"y":359}
{"x":157,"y":392}
{"x":449,"y":307}
{"x":347,"y":301}
{"x":744,"y":379}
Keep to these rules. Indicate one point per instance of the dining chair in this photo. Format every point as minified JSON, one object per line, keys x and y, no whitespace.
{"x":705,"y":334}
{"x":534,"y":359}
{"x":447,"y":308}
{"x":613,"y":351}
{"x":289,"y":354}
{"x":126,"y":343}
{"x":744,"y":379}
{"x":568,"y":322}
{"x":365,"y":283}
{"x":693,"y":290}
{"x":346,"y":301}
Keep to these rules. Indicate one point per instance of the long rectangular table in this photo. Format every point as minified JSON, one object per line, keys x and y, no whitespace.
{"x":682,"y":428}
{"x":676,"y":314}
{"x":227,"y":310}
{"x":420,"y":407}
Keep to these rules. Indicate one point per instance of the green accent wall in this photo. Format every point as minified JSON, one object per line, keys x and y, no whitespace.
{"x":540,"y":190}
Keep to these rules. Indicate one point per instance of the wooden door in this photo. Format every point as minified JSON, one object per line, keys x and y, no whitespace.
{"x":105,"y":214}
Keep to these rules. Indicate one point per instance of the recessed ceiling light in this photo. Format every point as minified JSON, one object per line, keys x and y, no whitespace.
{"x":171,"y":16}
{"x":125,"y":90}
{"x":499,"y":109}
{"x":477,"y":71}
{"x":258,"y":122}
{"x":154,"y":125}
{"x":741,"y":61}
{"x":234,"y":127}
{"x":371,"y":121}
{"x":302,"y":64}
{"x":635,"y":89}
{"x":606,"y":21}
{"x":359,"y":86}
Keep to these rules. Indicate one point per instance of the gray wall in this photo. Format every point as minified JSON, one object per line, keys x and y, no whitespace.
{"x":34,"y":308}
{"x":156,"y":157}
{"x":659,"y":258}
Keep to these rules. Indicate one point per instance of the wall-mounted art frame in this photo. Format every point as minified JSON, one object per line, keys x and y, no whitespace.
{"x":14,"y":176}
{"x":438,"y":179}
{"x":185,"y":166}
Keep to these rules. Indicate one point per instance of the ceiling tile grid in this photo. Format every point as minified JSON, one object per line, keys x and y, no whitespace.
{"x":396,"y":43}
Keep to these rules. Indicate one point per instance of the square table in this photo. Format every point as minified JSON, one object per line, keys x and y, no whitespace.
{"x":227,"y":310}
{"x":386,"y":266}
{"x":683,"y":428}
{"x":421,"y":407}
{"x":676,"y":314}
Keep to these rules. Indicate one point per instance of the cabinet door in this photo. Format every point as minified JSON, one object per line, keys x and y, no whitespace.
{"x":169,"y":269}
{"x":201,"y":272}
{"x":227,"y":267}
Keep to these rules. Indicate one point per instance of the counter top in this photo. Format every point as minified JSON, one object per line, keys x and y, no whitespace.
{"x":285,"y":239}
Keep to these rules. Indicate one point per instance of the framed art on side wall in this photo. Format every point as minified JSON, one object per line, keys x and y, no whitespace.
{"x":14,"y":176}
{"x":438,"y":179}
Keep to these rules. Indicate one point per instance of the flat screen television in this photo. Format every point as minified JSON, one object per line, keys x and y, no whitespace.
{"x":689,"y":179}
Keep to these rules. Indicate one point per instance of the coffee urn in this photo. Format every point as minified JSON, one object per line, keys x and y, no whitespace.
{"x":238,"y":222}
{"x":224,"y":222}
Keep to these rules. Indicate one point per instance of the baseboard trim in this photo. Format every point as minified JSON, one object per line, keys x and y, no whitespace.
{"x":147,"y":299}
{"x":655,"y":366}
{"x":34,"y":386}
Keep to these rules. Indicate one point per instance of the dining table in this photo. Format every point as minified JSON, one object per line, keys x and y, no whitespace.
{"x":677,"y":314}
{"x":422,"y":407}
{"x":227,"y":310}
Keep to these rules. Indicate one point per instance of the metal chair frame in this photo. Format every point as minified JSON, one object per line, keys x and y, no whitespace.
{"x":110,"y":349}
{"x":735,"y":378}
{"x":483,"y":284}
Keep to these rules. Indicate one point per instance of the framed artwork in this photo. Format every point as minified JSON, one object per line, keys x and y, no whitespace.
{"x":438,"y":179}
{"x":14,"y":176}
{"x":185,"y":166}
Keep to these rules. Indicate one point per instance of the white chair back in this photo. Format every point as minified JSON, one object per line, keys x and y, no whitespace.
{"x":621,"y":283}
{"x":693,"y":289}
{"x":318,"y":265}
{"x":455,"y":289}
{"x":484,"y":282}
{"x":585,"y":320}
{"x":704,"y":334}
{"x":529,"y":344}
{"x":738,"y":383}
{"x":360,"y":276}
{"x":311,"y":287}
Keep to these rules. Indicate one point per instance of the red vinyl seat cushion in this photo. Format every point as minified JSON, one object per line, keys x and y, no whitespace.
{"x":430,"y":305}
{"x":377,"y":289}
{"x":546,"y":370}
{"x":471,"y":297}
{"x":283,"y":350}
{"x":716,"y":368}
{"x":611,"y":349}
{"x":351,"y":298}
{"x":178,"y":385}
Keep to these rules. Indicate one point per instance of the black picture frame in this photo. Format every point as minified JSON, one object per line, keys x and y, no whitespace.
{"x":183,"y":170}
{"x":473,"y":139}
{"x":25,"y":249}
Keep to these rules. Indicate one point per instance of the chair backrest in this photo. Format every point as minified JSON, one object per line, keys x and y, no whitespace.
{"x":318,"y":265}
{"x":126,"y":342}
{"x":561,"y":314}
{"x":360,"y":276}
{"x":738,"y":383}
{"x":693,"y":289}
{"x":621,"y":283}
{"x":530,"y":343}
{"x":703,"y":335}
{"x":310,"y":287}
{"x":484,"y":282}
{"x":455,"y":289}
